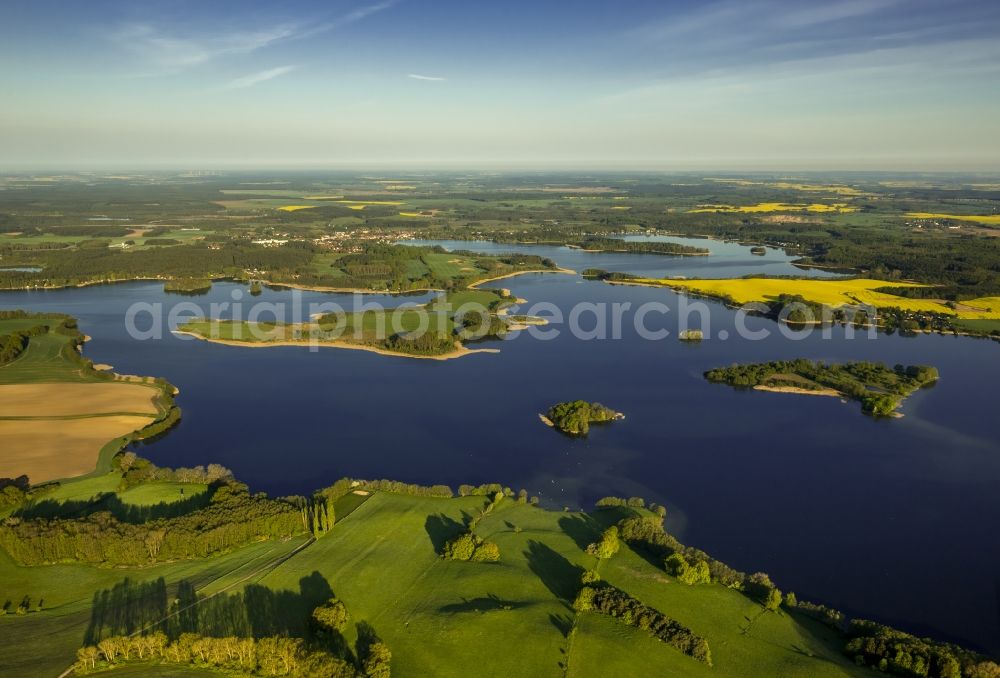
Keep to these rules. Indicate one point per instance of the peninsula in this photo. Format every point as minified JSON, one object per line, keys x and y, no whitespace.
{"x":879,"y":389}
{"x":59,"y":415}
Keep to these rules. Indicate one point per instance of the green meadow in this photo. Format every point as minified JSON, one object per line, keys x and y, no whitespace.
{"x":44,"y":642}
{"x":515,"y":617}
{"x":43,"y":359}
{"x":442,"y":617}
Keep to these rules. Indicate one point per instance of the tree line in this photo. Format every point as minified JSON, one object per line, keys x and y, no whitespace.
{"x":273,"y":656}
{"x":233,"y":518}
{"x":13,"y":345}
{"x":890,"y":651}
{"x":606,"y":599}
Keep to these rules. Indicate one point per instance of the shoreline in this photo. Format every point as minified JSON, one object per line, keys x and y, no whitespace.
{"x":347,"y":290}
{"x":288,"y":285}
{"x":826,"y":392}
{"x":457,"y":353}
{"x":662,"y":254}
{"x":476,"y":284}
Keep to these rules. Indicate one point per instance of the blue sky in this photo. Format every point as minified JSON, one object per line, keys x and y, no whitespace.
{"x":852,"y":84}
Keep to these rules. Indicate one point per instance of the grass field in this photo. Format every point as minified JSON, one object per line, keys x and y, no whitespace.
{"x":151,"y":494}
{"x":441,"y":617}
{"x":44,"y":643}
{"x":979,"y":325}
{"x":513,"y":618}
{"x":42,"y":361}
{"x":359,"y":327}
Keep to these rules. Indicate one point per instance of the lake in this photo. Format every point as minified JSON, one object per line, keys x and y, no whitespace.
{"x":890,"y":519}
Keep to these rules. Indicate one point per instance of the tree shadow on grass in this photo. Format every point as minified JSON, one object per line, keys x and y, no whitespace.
{"x":281,"y":613}
{"x":257,"y":611}
{"x":442,"y":529}
{"x":581,"y":529}
{"x":488,"y":603}
{"x":606,"y":516}
{"x":562,"y":622}
{"x":109,"y":501}
{"x":366,"y":638}
{"x":125,"y":608}
{"x":560,"y":576}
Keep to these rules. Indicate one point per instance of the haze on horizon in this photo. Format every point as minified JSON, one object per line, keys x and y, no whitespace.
{"x":639,"y":84}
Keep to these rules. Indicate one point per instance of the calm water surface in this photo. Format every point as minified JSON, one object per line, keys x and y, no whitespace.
{"x":892,"y":519}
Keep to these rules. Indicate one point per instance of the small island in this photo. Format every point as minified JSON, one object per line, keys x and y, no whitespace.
{"x":575,"y":417}
{"x":879,"y":388}
{"x":188,"y":286}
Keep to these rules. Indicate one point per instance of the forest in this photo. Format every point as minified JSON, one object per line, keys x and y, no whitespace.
{"x":879,"y":388}
{"x":233,"y":518}
{"x":576,"y":416}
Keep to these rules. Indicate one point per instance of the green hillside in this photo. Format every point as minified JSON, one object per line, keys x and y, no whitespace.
{"x":439,"y":617}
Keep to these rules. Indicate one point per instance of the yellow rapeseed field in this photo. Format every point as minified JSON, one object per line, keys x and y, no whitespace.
{"x":778,"y":207}
{"x":296,"y":208}
{"x":369,"y":202}
{"x":839,"y":189}
{"x":992,"y":219}
{"x":834,"y":293}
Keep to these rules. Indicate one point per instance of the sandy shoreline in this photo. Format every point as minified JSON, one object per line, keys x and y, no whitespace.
{"x":828,"y":392}
{"x":346,"y":290}
{"x":476,"y":284}
{"x":289,"y":285}
{"x":457,"y":353}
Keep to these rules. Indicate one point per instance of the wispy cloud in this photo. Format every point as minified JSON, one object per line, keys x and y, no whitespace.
{"x":351,"y":17}
{"x":432,"y":78}
{"x":734,"y":36}
{"x":173,"y":51}
{"x":739,"y":17}
{"x":259,"y":77}
{"x":176,"y":52}
{"x":831,"y":12}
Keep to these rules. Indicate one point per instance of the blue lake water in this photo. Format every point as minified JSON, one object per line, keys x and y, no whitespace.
{"x":890,"y":519}
{"x":726,"y":260}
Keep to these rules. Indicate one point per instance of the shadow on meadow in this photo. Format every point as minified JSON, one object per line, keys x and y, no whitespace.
{"x":441,"y":529}
{"x":112,"y":503}
{"x":488,"y":603}
{"x":559,"y":575}
{"x":582,"y":529}
{"x":256,"y":611}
